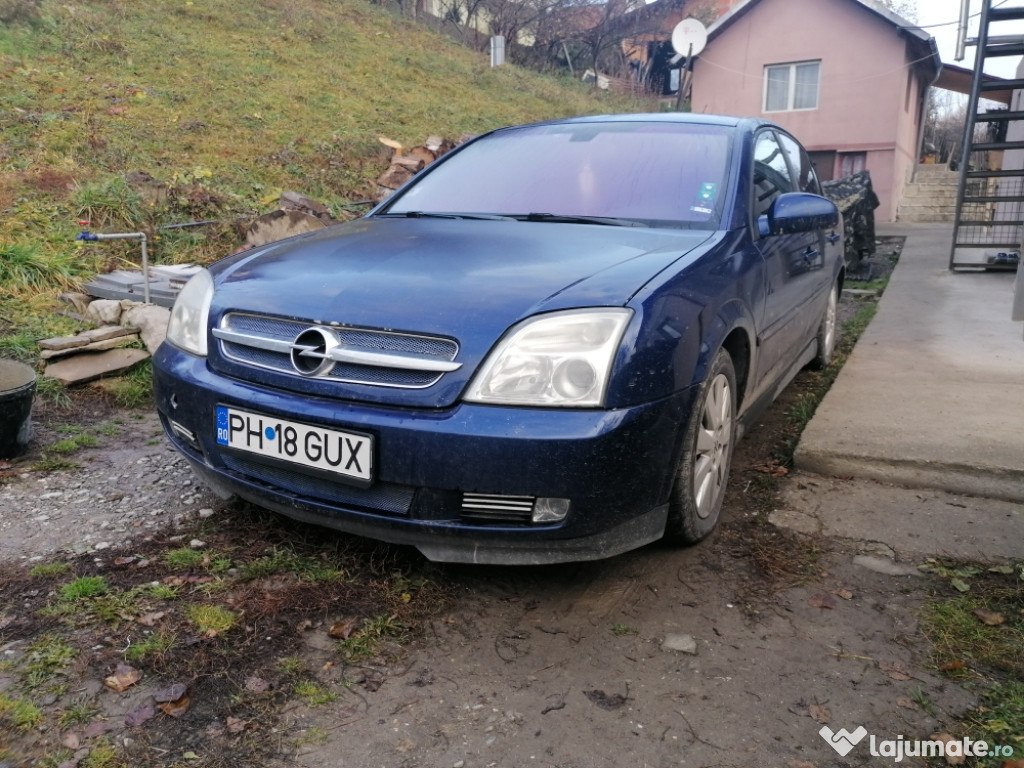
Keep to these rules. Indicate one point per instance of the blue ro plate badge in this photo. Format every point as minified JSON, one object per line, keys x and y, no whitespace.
{"x":343,"y":454}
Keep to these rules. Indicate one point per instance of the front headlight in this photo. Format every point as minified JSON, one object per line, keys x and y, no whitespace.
{"x":561,"y":359}
{"x":187,"y":326}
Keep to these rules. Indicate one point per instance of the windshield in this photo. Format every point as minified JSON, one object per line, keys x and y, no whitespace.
{"x":661,"y":174}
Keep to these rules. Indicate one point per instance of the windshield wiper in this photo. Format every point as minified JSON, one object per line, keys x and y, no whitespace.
{"x":560,"y":218}
{"x":440,"y":215}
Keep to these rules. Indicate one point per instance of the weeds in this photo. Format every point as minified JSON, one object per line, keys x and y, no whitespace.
{"x":134,"y":389}
{"x":22,"y":714}
{"x":186,"y":558}
{"x":73,"y":444}
{"x":155,"y":644}
{"x":27,"y":267}
{"x":365,"y":643}
{"x":280,"y":561}
{"x":211,"y":620}
{"x":1000,"y":720}
{"x":83,"y":588}
{"x":49,"y":570}
{"x":980,"y":629}
{"x":314,"y":694}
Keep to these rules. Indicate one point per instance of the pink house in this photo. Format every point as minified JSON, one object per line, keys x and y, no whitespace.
{"x":847,"y":77}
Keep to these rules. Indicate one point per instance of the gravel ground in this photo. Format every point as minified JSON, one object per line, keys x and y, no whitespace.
{"x":130,"y":483}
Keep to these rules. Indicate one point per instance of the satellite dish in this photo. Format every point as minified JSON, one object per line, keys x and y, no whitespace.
{"x":689,"y":37}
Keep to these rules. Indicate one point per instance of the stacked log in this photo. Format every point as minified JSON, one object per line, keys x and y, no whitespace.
{"x":407,"y":162}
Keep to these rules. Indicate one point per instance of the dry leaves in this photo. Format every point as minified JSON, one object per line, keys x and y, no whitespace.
{"x":150,"y":619}
{"x":820,"y":713}
{"x":124,"y":677}
{"x":139,"y":716}
{"x":823,"y":600}
{"x":772,"y":468}
{"x":990,"y":618}
{"x":948,"y":739}
{"x":173,"y":701}
{"x":343,"y":628}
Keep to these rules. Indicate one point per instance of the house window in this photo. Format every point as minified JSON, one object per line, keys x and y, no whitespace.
{"x":788,"y":87}
{"x":852,"y":162}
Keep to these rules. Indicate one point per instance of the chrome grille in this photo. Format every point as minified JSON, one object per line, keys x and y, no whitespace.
{"x":265,"y":342}
{"x":489,"y":506}
{"x":389,"y":498}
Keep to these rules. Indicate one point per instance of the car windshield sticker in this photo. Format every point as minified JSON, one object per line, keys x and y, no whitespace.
{"x":705,"y":199}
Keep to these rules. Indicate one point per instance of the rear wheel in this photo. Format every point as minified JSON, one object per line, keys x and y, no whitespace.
{"x":827,"y":330}
{"x":707,"y":454}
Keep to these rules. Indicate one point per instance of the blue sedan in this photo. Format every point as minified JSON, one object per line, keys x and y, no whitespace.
{"x":541,"y":349}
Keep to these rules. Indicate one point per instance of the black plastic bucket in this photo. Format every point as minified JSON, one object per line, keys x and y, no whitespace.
{"x":17,"y":387}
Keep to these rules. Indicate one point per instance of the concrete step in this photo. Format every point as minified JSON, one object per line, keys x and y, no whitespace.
{"x":925,"y":217}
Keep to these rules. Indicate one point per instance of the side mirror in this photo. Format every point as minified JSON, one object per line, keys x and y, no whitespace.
{"x":798,"y":212}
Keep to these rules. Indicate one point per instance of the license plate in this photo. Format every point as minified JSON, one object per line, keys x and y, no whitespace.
{"x":343,"y":453}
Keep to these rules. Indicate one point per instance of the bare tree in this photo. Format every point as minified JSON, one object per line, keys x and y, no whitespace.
{"x":905,"y":8}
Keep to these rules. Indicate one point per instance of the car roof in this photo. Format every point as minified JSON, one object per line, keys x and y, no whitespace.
{"x":679,"y":118}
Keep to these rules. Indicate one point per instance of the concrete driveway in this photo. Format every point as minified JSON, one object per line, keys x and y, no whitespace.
{"x":920,"y":442}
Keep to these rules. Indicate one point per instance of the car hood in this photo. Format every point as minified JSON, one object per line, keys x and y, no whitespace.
{"x":467,"y":280}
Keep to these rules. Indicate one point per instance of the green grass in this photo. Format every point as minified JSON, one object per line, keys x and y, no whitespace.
{"x":999,"y":720}
{"x":280,"y":561}
{"x":49,"y":570}
{"x":153,"y":644}
{"x":211,"y":620}
{"x":46,"y":659}
{"x":314,"y":694}
{"x":53,"y":464}
{"x":134,"y":389}
{"x":83,"y":588}
{"x":270,"y":97}
{"x":365,"y":642}
{"x":186,"y":558}
{"x":22,"y":714}
{"x":74,"y":444}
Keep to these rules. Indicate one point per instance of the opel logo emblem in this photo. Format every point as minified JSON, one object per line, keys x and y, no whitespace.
{"x":311,"y":351}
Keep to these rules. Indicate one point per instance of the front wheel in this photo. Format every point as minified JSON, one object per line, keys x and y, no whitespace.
{"x":699,"y":487}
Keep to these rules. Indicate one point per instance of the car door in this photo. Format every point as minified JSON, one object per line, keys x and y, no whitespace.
{"x":793,"y":263}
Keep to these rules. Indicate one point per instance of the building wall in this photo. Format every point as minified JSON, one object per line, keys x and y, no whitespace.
{"x":868,"y":99}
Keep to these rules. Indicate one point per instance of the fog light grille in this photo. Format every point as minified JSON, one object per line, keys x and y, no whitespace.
{"x":489,"y":506}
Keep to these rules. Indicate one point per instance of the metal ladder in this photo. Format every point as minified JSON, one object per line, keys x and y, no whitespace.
{"x":987,"y":228}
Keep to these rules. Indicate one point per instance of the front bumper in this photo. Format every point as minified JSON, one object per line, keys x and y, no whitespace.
{"x":615,"y":467}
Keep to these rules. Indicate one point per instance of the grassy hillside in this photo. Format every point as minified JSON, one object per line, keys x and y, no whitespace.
{"x":227,"y":102}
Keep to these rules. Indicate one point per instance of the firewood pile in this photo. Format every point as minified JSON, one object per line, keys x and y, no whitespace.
{"x":407,"y":162}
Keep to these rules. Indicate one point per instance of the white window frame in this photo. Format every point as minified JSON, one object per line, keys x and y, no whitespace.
{"x":791,"y":68}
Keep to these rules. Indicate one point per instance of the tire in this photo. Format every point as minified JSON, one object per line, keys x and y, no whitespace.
{"x":827,"y":330}
{"x":699,"y":488}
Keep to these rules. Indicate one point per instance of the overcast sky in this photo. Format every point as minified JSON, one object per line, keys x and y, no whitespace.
{"x":939,"y":18}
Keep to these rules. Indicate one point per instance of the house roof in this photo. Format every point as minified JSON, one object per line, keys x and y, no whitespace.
{"x":922,"y":45}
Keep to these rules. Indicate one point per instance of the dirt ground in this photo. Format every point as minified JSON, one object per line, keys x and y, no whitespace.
{"x":736,"y":652}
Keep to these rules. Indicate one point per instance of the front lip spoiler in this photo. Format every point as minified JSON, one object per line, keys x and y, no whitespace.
{"x":435,"y":545}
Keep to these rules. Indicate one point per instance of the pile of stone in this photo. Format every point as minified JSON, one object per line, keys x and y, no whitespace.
{"x":109,"y":349}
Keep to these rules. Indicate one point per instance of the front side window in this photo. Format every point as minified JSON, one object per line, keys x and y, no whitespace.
{"x":771,"y":172}
{"x":807,"y":179}
{"x":789,"y":87}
